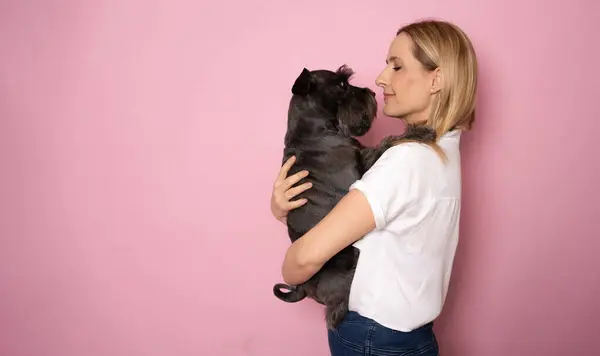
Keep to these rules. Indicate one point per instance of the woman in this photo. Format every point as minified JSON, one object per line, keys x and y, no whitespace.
{"x":403,"y":214}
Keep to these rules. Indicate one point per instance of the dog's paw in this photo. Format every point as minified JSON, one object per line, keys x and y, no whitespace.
{"x":389,"y":141}
{"x":419,"y":133}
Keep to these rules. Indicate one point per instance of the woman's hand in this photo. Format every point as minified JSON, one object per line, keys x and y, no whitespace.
{"x":283,"y":192}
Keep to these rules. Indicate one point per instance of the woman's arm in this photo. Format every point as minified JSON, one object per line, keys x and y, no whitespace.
{"x":351,"y":219}
{"x":388,"y":189}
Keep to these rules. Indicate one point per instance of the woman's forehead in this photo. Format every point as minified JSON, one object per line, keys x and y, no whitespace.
{"x":400,"y":48}
{"x":401,"y":45}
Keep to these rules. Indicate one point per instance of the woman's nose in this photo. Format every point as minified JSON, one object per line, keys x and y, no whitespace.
{"x":380,"y":81}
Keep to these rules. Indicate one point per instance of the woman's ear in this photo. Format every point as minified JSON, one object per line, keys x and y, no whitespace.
{"x":437,"y":80}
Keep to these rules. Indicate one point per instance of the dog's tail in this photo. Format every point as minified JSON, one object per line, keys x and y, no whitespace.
{"x":294,"y":295}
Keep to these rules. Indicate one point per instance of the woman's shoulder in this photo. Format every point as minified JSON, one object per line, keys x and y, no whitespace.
{"x":421,"y":152}
{"x":404,"y":162}
{"x":410,"y":154}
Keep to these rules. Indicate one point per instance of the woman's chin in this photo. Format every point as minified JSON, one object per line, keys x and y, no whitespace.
{"x":390,"y":111}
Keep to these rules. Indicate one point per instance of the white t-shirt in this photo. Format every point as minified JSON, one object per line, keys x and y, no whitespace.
{"x":405,"y":263}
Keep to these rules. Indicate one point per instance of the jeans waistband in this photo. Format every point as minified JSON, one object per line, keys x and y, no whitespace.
{"x":354,"y":317}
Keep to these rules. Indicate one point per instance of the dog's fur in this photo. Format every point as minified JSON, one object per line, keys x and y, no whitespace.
{"x":325,"y":112}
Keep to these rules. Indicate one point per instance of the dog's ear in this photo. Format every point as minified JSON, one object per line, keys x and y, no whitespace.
{"x":302,"y":84}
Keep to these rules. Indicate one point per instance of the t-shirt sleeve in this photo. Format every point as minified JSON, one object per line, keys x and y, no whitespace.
{"x":390,"y":185}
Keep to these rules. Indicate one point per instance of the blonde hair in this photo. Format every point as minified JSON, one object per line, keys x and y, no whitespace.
{"x":440,"y":44}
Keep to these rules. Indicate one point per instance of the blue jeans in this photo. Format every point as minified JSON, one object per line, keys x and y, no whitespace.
{"x":357,"y":335}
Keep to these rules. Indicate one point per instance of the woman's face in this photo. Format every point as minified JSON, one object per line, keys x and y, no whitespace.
{"x":408,"y":87}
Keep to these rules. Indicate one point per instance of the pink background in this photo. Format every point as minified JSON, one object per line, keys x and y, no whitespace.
{"x":139,"y":142}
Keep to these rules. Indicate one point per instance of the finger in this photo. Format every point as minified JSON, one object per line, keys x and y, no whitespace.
{"x":285,"y":168}
{"x":292,"y":192}
{"x":296,"y":204}
{"x":293,"y":179}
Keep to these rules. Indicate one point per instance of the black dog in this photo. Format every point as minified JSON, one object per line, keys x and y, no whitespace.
{"x":325,"y":112}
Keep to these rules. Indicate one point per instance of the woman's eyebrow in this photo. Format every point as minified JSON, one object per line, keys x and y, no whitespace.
{"x":392,"y":58}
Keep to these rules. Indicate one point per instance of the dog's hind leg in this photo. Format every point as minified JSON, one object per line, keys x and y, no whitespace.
{"x":334,"y":292}
{"x":335,"y":313}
